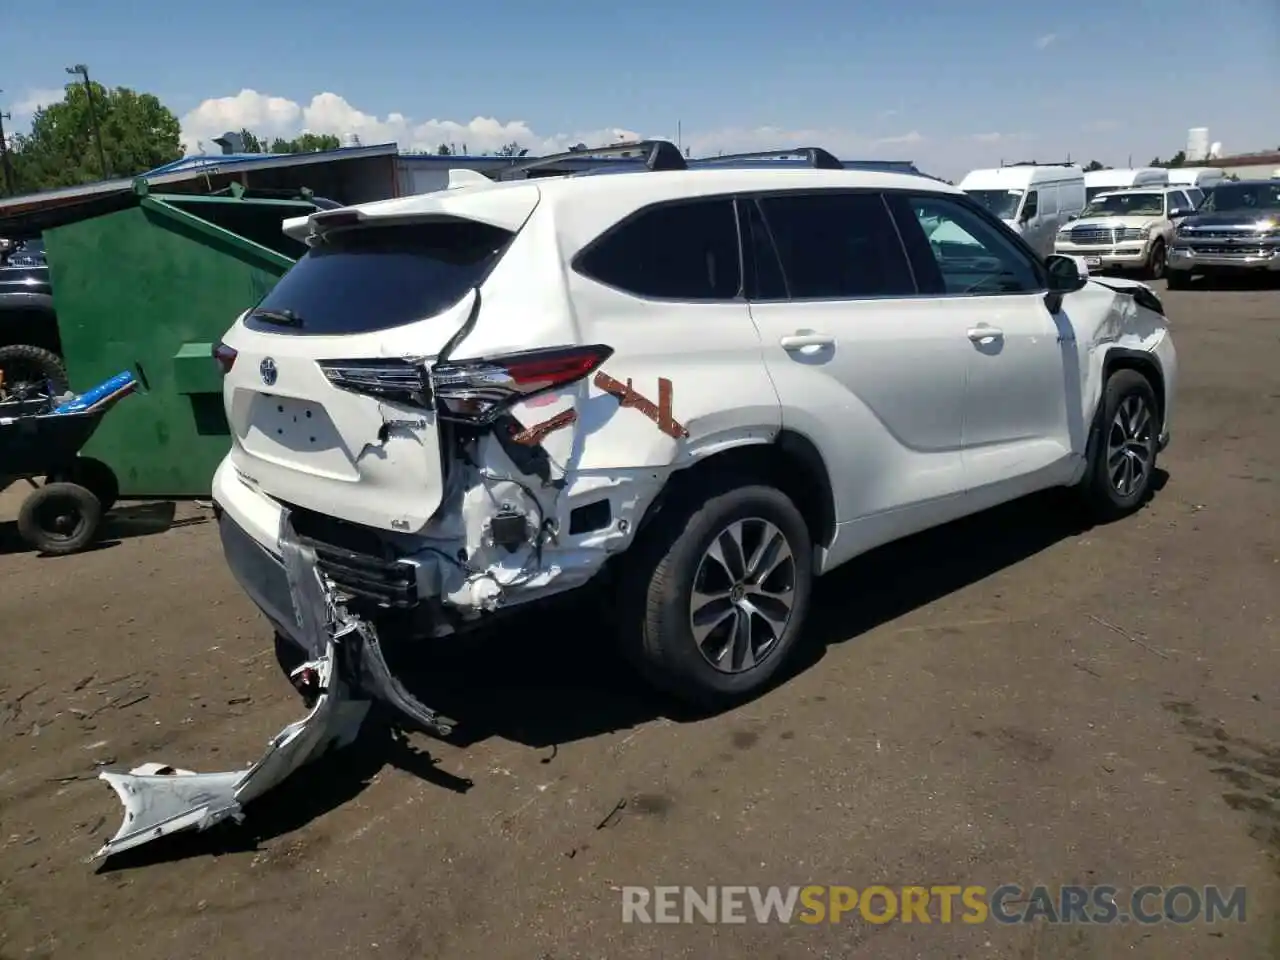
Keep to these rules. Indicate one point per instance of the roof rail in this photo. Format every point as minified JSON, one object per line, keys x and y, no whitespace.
{"x":661,"y":155}
{"x":814,"y":156}
{"x":1040,"y":163}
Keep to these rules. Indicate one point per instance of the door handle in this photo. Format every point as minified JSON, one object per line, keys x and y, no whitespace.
{"x":798,"y":341}
{"x":985,"y":334}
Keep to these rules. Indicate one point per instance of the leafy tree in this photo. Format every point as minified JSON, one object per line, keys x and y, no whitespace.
{"x":1179,"y":159}
{"x":251,"y":142}
{"x":1095,"y":165}
{"x":512,"y":149}
{"x":444,"y":150}
{"x":306,"y":143}
{"x":138,"y":134}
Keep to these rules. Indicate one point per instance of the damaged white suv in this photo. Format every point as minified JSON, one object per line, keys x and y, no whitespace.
{"x":717,"y":380}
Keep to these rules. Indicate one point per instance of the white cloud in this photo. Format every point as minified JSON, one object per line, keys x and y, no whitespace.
{"x":269,"y":117}
{"x":995,"y":137}
{"x":1044,"y":42}
{"x":33,"y":100}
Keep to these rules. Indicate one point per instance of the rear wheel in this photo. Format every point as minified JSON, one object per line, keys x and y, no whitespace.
{"x":27,"y":373}
{"x":718,"y":593}
{"x":60,"y":518}
{"x":1124,"y":445}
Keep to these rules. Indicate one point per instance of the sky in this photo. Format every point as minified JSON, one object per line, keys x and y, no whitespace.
{"x":950,"y":84}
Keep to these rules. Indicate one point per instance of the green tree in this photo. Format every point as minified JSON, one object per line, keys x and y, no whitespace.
{"x":444,"y":150}
{"x":251,"y":142}
{"x":139,"y":133}
{"x":306,"y":143}
{"x":512,"y":149}
{"x":1095,"y":165}
{"x":1177,"y":160}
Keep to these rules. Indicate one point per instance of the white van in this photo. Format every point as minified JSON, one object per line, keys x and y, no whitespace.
{"x":1033,"y":199}
{"x":1198,"y":178}
{"x":1104,"y":181}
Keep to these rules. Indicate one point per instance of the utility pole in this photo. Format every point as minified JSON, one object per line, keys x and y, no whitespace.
{"x":82,"y":71}
{"x":10,"y":181}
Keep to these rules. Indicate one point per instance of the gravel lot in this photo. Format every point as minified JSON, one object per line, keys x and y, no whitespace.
{"x":1010,"y":699}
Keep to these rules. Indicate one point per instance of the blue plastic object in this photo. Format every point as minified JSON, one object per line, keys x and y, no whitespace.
{"x":102,"y":395}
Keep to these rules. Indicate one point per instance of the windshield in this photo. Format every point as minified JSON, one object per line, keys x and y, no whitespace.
{"x":374,"y":278}
{"x":1091,"y":192}
{"x":1003,"y":203}
{"x":1127,"y":205}
{"x":1242,"y":198}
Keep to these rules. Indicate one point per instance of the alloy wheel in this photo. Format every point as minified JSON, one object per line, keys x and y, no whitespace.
{"x":1130,"y":446}
{"x":743,"y":595}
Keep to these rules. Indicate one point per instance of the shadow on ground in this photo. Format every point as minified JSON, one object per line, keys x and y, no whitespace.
{"x":552,"y":677}
{"x":124,"y":522}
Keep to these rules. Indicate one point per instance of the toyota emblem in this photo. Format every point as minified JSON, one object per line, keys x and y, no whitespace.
{"x":268,"y":370}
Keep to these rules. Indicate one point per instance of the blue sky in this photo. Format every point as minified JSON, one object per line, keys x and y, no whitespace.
{"x":951,"y":84}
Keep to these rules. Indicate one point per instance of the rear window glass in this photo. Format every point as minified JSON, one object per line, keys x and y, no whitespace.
{"x":375,"y":278}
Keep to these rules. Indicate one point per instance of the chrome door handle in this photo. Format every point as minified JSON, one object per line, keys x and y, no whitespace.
{"x":798,"y":341}
{"x":985,"y":334}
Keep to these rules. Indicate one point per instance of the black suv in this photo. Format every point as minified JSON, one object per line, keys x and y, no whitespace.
{"x":1235,"y":230}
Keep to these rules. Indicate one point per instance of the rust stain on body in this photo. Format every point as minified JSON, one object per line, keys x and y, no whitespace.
{"x":659,"y":413}
{"x":532,"y":436}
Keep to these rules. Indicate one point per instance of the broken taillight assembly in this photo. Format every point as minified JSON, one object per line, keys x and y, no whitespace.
{"x":224,"y":356}
{"x":477,"y":391}
{"x":395,"y":380}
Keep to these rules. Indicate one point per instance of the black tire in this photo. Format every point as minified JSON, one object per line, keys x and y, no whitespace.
{"x":60,"y":518}
{"x":658,"y":584}
{"x":23,"y":363}
{"x":1177,"y":279}
{"x":1105,"y":498}
{"x":1157,"y":261}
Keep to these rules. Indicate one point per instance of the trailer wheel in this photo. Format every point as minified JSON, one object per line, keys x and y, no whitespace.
{"x":27,"y":372}
{"x":60,"y":518}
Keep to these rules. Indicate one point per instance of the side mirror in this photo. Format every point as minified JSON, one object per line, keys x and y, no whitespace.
{"x":5,"y":245}
{"x":1178,"y":212}
{"x":1065,"y":274}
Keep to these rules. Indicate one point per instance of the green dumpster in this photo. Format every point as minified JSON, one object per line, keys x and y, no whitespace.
{"x":153,"y":287}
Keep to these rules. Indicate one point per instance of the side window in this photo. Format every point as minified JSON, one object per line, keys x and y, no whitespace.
{"x":836,"y":246}
{"x":764,"y":279}
{"x":675,"y":251}
{"x":1031,"y":208}
{"x":1049,"y":201}
{"x":1181,"y":198}
{"x":960,"y":252}
{"x":1195,"y":196}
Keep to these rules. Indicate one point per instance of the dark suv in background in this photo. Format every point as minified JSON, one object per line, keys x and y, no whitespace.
{"x":1235,"y":230}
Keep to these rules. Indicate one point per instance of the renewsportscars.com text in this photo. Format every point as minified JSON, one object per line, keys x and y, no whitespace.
{"x":939,"y":903}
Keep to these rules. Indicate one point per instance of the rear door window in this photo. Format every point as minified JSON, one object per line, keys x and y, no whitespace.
{"x":672,"y":251}
{"x":837,"y":246}
{"x":374,"y":278}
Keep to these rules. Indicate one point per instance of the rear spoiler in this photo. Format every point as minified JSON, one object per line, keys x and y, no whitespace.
{"x":300,"y":228}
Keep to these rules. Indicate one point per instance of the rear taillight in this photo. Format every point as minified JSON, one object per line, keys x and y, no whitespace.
{"x":399,"y":381}
{"x":477,"y":391}
{"x":224,"y":357}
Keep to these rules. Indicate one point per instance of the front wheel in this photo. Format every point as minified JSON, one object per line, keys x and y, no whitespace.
{"x":719,"y":592}
{"x":1125,"y":441}
{"x":1156,"y":261}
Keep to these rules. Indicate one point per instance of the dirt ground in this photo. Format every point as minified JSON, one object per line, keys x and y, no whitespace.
{"x":1009,"y":700}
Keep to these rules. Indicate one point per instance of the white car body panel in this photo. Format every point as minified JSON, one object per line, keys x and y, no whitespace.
{"x":918,"y":417}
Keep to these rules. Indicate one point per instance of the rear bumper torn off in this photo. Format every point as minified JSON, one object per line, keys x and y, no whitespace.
{"x":346,"y":671}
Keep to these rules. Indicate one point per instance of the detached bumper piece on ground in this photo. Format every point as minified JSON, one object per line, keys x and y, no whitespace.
{"x":340,"y":682}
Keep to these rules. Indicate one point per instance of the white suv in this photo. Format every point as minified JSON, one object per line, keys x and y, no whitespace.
{"x":716,"y":380}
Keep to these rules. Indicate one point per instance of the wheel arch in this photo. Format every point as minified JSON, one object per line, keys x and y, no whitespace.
{"x":1142,"y":361}
{"x":788,"y":460}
